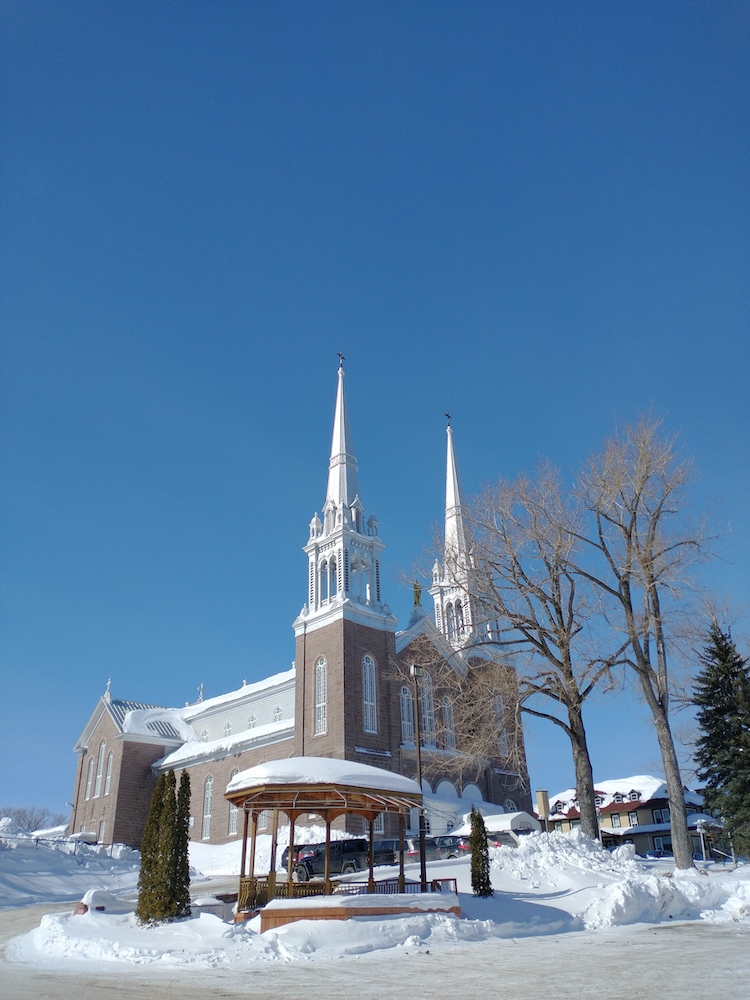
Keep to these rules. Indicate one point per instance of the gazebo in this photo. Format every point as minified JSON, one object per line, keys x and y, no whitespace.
{"x":322,"y":786}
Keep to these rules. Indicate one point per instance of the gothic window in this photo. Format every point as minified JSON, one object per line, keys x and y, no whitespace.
{"x":227,"y":729}
{"x":233,"y":811}
{"x":277,"y":714}
{"x":320,"y":697}
{"x":502,"y":738}
{"x":449,"y":725}
{"x":510,"y":806}
{"x":368,"y":695}
{"x":89,"y":779}
{"x":204,"y":736}
{"x":208,"y":793}
{"x":251,"y":722}
{"x":428,"y":709}
{"x":108,"y":774}
{"x":407,"y":715}
{"x":333,"y":581}
{"x":99,"y":771}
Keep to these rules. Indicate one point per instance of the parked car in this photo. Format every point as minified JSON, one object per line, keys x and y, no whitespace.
{"x":655,"y":855}
{"x":452,"y":846}
{"x":383,"y":846}
{"x":506,"y":838}
{"x":347,"y":856}
{"x":411,"y":849}
{"x":300,"y":851}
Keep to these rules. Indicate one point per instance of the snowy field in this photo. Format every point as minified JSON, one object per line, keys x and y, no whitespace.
{"x":554,"y":895}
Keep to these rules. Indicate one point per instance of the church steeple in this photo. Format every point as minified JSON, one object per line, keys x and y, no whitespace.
{"x":450,"y":582}
{"x":343,"y":478}
{"x":343,"y":548}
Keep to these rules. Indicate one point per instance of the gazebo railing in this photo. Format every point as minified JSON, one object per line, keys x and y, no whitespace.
{"x":254,"y":892}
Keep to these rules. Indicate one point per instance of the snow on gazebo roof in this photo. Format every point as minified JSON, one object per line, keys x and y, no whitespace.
{"x":322,"y":771}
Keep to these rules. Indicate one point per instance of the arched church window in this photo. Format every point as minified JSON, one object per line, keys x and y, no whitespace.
{"x":407,"y":715}
{"x":277,"y":714}
{"x":333,"y":578}
{"x":459,"y":617}
{"x":368,"y":695}
{"x":233,"y":811}
{"x":204,"y":736}
{"x":510,"y":806}
{"x":324,"y":581}
{"x":428,"y":709}
{"x":321,"y":682}
{"x":227,"y":729}
{"x":208,"y":794}
{"x":251,"y":722}
{"x":99,"y":771}
{"x":449,"y":725}
{"x":89,"y":779}
{"x":450,"y":615}
{"x":108,"y":774}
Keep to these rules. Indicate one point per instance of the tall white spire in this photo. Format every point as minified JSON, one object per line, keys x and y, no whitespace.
{"x":450,"y":582}
{"x":456,"y":548}
{"x":343,"y":479}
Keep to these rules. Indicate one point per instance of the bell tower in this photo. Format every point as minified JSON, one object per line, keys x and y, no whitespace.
{"x":345,"y":632}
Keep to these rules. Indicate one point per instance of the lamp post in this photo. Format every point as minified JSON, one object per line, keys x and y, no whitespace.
{"x":416,"y":673}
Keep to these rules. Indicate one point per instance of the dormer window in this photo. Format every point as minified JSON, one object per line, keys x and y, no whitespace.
{"x":617,"y":797}
{"x":599,"y":800}
{"x":634,"y":796}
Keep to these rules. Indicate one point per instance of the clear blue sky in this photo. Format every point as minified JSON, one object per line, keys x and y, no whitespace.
{"x":534,"y":214}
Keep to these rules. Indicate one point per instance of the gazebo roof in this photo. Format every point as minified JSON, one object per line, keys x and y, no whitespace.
{"x":320,"y":784}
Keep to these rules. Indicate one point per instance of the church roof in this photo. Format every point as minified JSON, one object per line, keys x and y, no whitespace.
{"x":118,"y":708}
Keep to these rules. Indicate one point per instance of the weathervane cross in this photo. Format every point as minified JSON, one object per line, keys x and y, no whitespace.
{"x":342,"y":359}
{"x":447,"y":414}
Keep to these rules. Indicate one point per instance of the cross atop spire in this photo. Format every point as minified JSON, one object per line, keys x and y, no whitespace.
{"x":342,"y":359}
{"x":343,"y":479}
{"x":448,"y":415}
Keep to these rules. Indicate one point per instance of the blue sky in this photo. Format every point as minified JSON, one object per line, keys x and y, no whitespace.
{"x":533,"y":214}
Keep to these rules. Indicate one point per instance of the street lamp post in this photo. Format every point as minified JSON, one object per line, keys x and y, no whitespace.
{"x":416,"y":673}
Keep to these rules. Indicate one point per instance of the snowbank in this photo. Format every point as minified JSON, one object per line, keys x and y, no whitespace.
{"x":550,"y":884}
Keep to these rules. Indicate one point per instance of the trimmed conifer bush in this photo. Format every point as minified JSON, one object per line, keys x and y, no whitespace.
{"x":181,"y":876}
{"x":480,"y":856}
{"x":147,"y":905}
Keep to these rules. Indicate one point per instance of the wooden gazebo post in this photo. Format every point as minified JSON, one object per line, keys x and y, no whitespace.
{"x":371,"y":861}
{"x":290,"y":859}
{"x":328,"y":854}
{"x":272,"y":865}
{"x":244,"y":843}
{"x":252,"y":843}
{"x":401,"y":877}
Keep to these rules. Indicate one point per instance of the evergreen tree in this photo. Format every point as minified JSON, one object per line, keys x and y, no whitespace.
{"x":181,"y":874}
{"x":146,"y":908}
{"x":722,"y":694}
{"x":480,"y":856}
{"x":164,"y":866}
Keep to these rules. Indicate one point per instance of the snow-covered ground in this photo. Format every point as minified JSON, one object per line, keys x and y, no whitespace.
{"x":551,"y":885}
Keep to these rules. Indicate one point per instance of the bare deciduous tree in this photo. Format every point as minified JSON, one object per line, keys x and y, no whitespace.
{"x":33,"y":818}
{"x":525,"y":542}
{"x":633,"y":491}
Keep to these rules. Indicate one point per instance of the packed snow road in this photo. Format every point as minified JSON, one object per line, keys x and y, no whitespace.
{"x":675,"y":961}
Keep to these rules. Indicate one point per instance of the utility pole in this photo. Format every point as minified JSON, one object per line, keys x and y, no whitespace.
{"x":417,"y":672}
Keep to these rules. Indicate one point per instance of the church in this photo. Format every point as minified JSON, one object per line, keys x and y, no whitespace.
{"x":349,"y":695}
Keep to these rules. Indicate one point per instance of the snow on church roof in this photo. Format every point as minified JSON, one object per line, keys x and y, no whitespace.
{"x":191,"y":711}
{"x":322,"y":771}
